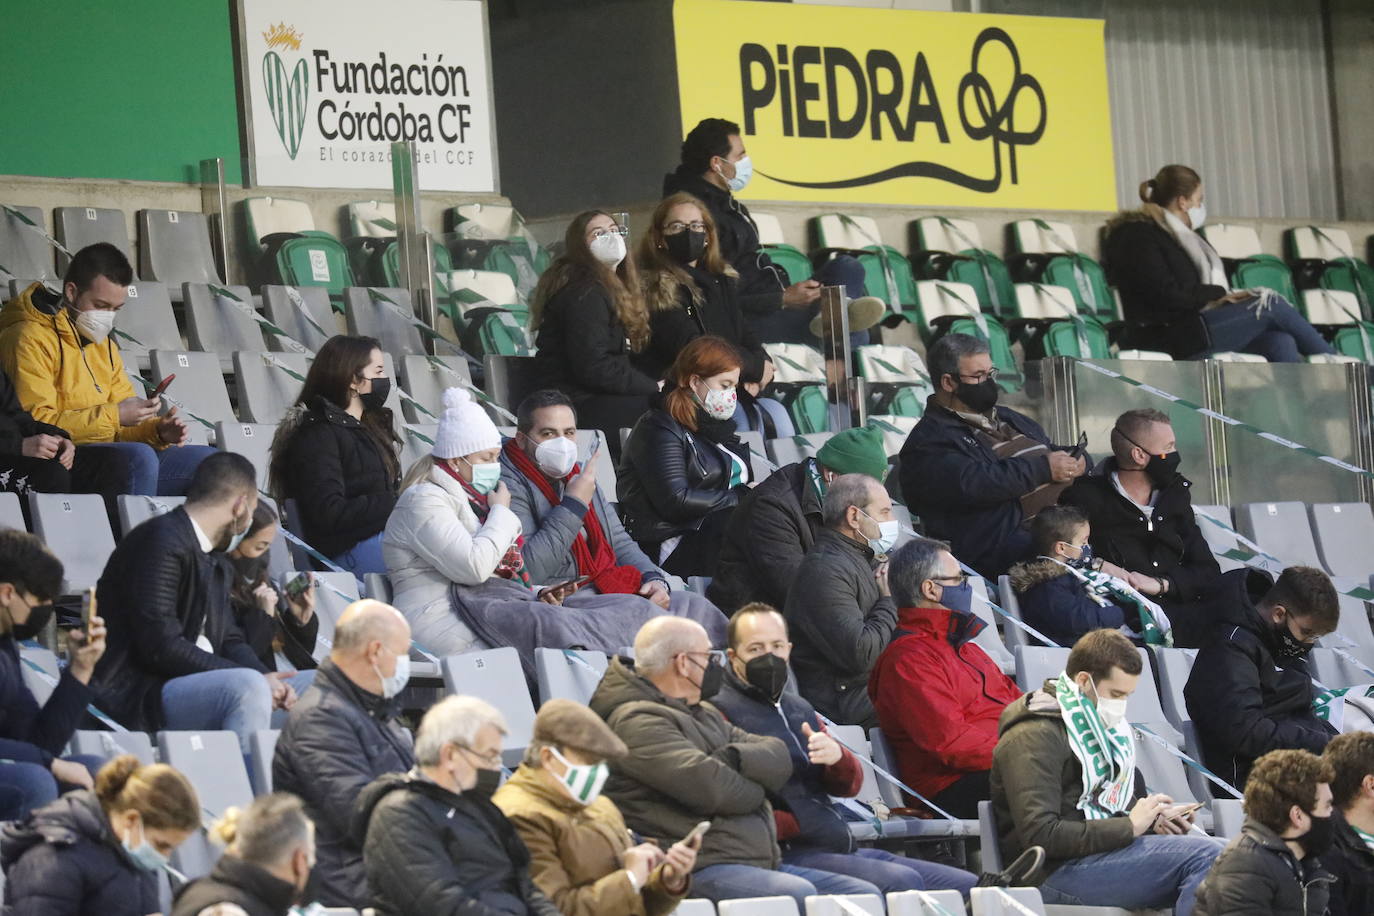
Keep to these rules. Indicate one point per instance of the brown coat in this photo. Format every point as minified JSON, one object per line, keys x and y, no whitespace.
{"x":575,"y":851}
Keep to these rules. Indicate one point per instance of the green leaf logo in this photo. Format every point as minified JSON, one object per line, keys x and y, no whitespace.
{"x":286,"y":98}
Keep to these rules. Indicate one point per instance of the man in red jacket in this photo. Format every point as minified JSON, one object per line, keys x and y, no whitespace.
{"x":937,"y":694}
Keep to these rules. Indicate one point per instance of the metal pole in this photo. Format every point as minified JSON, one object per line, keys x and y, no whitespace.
{"x":1361,"y":416}
{"x":1214,"y":431}
{"x":1061,"y":396}
{"x":213,"y":203}
{"x":417,"y":271}
{"x":840,"y":388}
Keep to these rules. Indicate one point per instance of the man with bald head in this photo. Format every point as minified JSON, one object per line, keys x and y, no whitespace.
{"x":686,"y":764}
{"x":342,"y":734}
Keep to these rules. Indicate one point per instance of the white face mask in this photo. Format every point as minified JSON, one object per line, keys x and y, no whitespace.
{"x":556,"y":456}
{"x":1197,"y":216}
{"x":397,"y":682}
{"x":95,"y":324}
{"x":887,"y":534}
{"x":609,"y":249}
{"x":1112,"y":712}
{"x":719,"y":403}
{"x":744,"y":170}
{"x":583,"y":781}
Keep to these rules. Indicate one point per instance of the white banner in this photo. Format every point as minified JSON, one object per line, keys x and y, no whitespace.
{"x":330,"y":86}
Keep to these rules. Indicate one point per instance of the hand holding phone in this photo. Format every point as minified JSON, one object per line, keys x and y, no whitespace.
{"x":693,"y":839}
{"x":162,"y":385}
{"x":298,"y":585}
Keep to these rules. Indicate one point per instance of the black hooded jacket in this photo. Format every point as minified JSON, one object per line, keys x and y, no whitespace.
{"x":1352,"y":863}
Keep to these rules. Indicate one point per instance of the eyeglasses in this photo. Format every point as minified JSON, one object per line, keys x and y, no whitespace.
{"x":488,"y":761}
{"x":602,"y":232}
{"x":716,"y":655}
{"x":678,"y":225}
{"x":957,"y":580}
{"x":980,"y":376}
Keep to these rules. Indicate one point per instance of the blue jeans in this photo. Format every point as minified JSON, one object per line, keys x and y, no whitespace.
{"x":1280,"y":334}
{"x":887,"y":871}
{"x":1154,"y":872}
{"x":730,"y":882}
{"x":233,"y":699}
{"x":150,"y":472}
{"x":26,"y":785}
{"x":363,"y":557}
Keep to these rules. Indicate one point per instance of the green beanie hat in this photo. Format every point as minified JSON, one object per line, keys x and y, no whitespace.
{"x":855,"y":451}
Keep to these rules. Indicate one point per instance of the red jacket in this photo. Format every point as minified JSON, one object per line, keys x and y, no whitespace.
{"x":938,"y":697}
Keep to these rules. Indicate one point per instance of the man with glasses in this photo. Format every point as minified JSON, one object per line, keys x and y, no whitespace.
{"x":938,"y":695}
{"x":974,"y":472}
{"x":839,"y":607}
{"x":686,"y":764}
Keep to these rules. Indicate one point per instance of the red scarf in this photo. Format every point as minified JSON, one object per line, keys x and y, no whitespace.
{"x":591,"y":549}
{"x":512,"y":565}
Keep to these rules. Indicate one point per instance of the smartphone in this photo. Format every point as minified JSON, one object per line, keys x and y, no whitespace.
{"x":574,"y":583}
{"x":298,"y":585}
{"x":1082,"y":446}
{"x":1176,"y":812}
{"x":87,"y":610}
{"x":162,"y":385}
{"x":697,"y":831}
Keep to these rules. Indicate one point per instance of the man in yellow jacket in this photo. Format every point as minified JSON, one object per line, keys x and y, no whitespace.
{"x":67,"y":370}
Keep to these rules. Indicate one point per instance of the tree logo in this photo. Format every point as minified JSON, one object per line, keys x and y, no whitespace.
{"x":286,"y":97}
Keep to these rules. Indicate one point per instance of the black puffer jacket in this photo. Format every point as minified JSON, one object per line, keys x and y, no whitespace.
{"x":65,"y":859}
{"x":429,"y":850}
{"x":16,"y":423}
{"x":158,"y":593}
{"x":344,"y":485}
{"x":583,"y":347}
{"x":1352,"y":863}
{"x":338,"y":739}
{"x":1244,"y":700}
{"x":718,"y":313}
{"x":1161,"y":293}
{"x":670,"y":478}
{"x":769,"y":533}
{"x":247,"y":886}
{"x":1258,"y":874}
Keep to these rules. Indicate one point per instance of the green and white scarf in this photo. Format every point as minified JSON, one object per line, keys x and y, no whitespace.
{"x":1329,"y":705}
{"x":1366,"y":838}
{"x":1156,"y":630}
{"x":1106,"y":756}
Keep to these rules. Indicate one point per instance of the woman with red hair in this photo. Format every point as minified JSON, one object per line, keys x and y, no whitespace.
{"x":683,"y":469}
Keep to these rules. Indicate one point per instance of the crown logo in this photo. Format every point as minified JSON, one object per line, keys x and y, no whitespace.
{"x":282,"y":35}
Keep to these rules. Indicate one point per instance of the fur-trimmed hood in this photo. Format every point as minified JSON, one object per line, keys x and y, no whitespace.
{"x":1027,"y":575}
{"x":1145,"y":213}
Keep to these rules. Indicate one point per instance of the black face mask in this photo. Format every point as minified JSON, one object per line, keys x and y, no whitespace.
{"x":686,"y":246}
{"x":487,"y":783}
{"x":39,"y":615}
{"x":250,"y":568}
{"x":1317,"y":839}
{"x":1290,"y":647}
{"x":1163,"y":469}
{"x":376,"y":398}
{"x":768,"y":673}
{"x":712,"y":677}
{"x":979,"y":397}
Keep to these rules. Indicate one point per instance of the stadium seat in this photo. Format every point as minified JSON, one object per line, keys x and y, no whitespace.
{"x":895,"y":431}
{"x":987,"y":829}
{"x":1281,"y":529}
{"x":1329,"y":307}
{"x":1163,"y":772}
{"x":287,"y":314}
{"x":1174,"y":666}
{"x":135,"y":510}
{"x":826,"y":905}
{"x":251,"y":440}
{"x":944,"y":307}
{"x":953,"y":250}
{"x":1332,"y":670}
{"x":696,"y":907}
{"x":335,"y":592}
{"x":267,"y":391}
{"x":1218,"y":539}
{"x":887,"y":272}
{"x":368,"y":313}
{"x":1344,"y":533}
{"x":1048,"y":252}
{"x":1232,"y":242}
{"x":377,"y":586}
{"x":426,"y":378}
{"x":199,"y":387}
{"x":559,"y":675}
{"x":293,"y":250}
{"x":759,"y":464}
{"x":372,"y":219}
{"x":213,"y":763}
{"x":508,"y":379}
{"x":928,"y":903}
{"x":774,"y":244}
{"x":990,"y":639}
{"x":1317,"y":243}
{"x":77,"y":227}
{"x":215,"y":325}
{"x":24,"y":253}
{"x":473,"y":289}
{"x":1036,"y":664}
{"x":413,"y":444}
{"x":40,"y":671}
{"x":897,"y":379}
{"x":799,"y":383}
{"x":146,"y":323}
{"x":1232,"y":357}
{"x":494,"y":237}
{"x":75,"y":526}
{"x":1014,"y":635}
{"x":758,"y":906}
{"x":174,"y":248}
{"x":1228,"y":816}
{"x":11,"y":512}
{"x":112,"y":744}
{"x":795,"y":448}
{"x":1006,"y":901}
{"x":1145,"y":355}
{"x":495,"y":675}
{"x":1085,"y":338}
{"x":262,"y":744}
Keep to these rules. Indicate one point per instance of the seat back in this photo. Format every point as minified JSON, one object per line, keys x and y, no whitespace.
{"x":369,"y":314}
{"x":213,"y":763}
{"x":837,"y":230}
{"x":826,"y":905}
{"x":1317,"y":243}
{"x":266,"y":390}
{"x":1281,"y":529}
{"x":485,"y":221}
{"x":1036,"y":664}
{"x":987,"y":830}
{"x":993,"y":901}
{"x":77,"y":227}
{"x":1154,"y":356}
{"x":1086,"y":282}
{"x":758,"y":906}
{"x":941,"y":298}
{"x":1266,"y":270}
{"x":495,"y":675}
{"x":893,"y":367}
{"x":936,"y":233}
{"x":796,"y":448}
{"x":927,"y":903}
{"x":286,"y":314}
{"x":417,"y":441}
{"x":1330,"y":306}
{"x":1038,"y":236}
{"x":174,"y":248}
{"x":334,"y":592}
{"x":1068,"y":338}
{"x":990,"y":639}
{"x":251,"y":440}
{"x":262,"y":745}
{"x":877,"y":748}
{"x":1232,"y":242}
{"x":214,"y":322}
{"x":508,"y":379}
{"x":1162,"y":771}
{"x":146,"y":322}
{"x":11,"y":512}
{"x":312,"y":259}
{"x":570,"y":674}
{"x":199,"y":387}
{"x":1043,"y":302}
{"x":1228,"y":816}
{"x":24,"y":254}
{"x":269,"y":215}
{"x":427,"y":377}
{"x":39,"y":671}
{"x":1174,"y":666}
{"x":76,"y":528}
{"x":111,"y":744}
{"x":1013,"y":635}
{"x":374,"y":219}
{"x":769,"y":228}
{"x":473,"y":289}
{"x":895,"y":431}
{"x":796,"y":364}
{"x":1344,"y":532}
{"x":134,"y":510}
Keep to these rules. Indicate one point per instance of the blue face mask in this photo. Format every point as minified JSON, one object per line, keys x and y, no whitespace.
{"x":958,"y":598}
{"x":144,"y":855}
{"x":1084,"y":560}
{"x":485,"y":477}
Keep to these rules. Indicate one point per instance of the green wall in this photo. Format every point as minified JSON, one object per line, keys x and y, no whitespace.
{"x":141,"y":89}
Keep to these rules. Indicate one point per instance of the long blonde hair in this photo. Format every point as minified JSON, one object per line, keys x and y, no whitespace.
{"x":577,"y":261}
{"x":664,"y":277}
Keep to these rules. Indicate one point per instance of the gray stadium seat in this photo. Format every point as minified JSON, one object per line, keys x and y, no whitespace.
{"x":1163,"y":772}
{"x":77,"y":227}
{"x":426,"y":377}
{"x":263,"y":745}
{"x":11,"y":513}
{"x":251,"y":440}
{"x":24,"y":254}
{"x":135,"y":510}
{"x":265,"y":390}
{"x":759,"y":464}
{"x":509,"y":378}
{"x":758,"y":906}
{"x":213,"y":763}
{"x":987,"y":829}
{"x":148,"y":318}
{"x":76,"y":527}
{"x":41,"y":682}
{"x":199,"y":386}
{"x":919,"y":903}
{"x":990,"y":640}
{"x":377,"y":586}
{"x":792,"y":449}
{"x":1036,"y":664}
{"x":330,"y":605}
{"x":112,"y":744}
{"x":1013,"y":635}
{"x":276,"y":303}
{"x":372,"y":318}
{"x":413,"y":448}
{"x":175,"y":249}
{"x":1334,"y":671}
{"x":218,"y":327}
{"x":1345,"y":533}
{"x":560,"y":676}
{"x":1174,"y":666}
{"x":992,"y":901}
{"x":1281,"y":529}
{"x":495,"y":675}
{"x":1218,"y":539}
{"x":1228,"y":816}
{"x":695,"y":908}
{"x":825,"y":905}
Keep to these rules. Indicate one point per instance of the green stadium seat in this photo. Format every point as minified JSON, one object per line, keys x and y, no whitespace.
{"x":788,"y":257}
{"x":1048,"y":252}
{"x":898,"y":382}
{"x":293,"y":251}
{"x":887,"y":272}
{"x":799,"y":384}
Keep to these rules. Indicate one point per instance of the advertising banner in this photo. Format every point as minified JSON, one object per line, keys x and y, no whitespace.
{"x":888,"y":106}
{"x":328,"y":87}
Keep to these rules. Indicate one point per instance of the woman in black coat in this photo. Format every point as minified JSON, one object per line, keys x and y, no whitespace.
{"x":684,"y":469}
{"x":277,"y":627}
{"x":335,"y":454}
{"x":589,"y":317}
{"x":98,"y":853}
{"x":1174,"y":289}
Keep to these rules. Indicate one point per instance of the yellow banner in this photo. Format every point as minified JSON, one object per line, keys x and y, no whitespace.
{"x":924,"y":109}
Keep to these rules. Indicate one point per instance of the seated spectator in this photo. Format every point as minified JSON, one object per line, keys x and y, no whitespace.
{"x":280,"y":629}
{"x":435,"y":842}
{"x":1066,"y":591}
{"x":457,"y":558}
{"x":570,"y":529}
{"x":1064,"y":778}
{"x":265,"y":869}
{"x":840,"y":608}
{"x":777,"y":522}
{"x":1141,"y":511}
{"x":58,"y":350}
{"x":1351,"y":859}
{"x":176,"y":659}
{"x":1173,"y":285}
{"x":335,"y":454}
{"x":776,"y":307}
{"x":555,"y":802}
{"x":588,"y":317}
{"x":811,"y":831}
{"x":1250,"y":692}
{"x":32,"y":738}
{"x":35,"y":456}
{"x":687,"y":764}
{"x":100,"y":850}
{"x":938,"y":696}
{"x":684,"y":469}
{"x":974,"y":472}
{"x":1272,"y":866}
{"x":342,"y":735}
{"x":690,"y":290}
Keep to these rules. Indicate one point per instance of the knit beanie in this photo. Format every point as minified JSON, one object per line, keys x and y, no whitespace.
{"x":855,"y":451}
{"x":464,"y":427}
